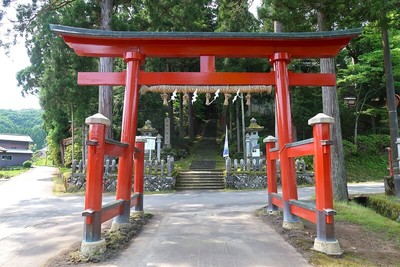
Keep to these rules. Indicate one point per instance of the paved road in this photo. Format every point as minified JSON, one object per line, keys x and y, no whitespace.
{"x":205,"y":227}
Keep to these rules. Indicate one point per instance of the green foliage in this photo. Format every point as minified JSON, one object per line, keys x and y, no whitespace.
{"x":374,"y":144}
{"x":306,"y":103}
{"x":68,"y":154}
{"x":178,"y":154}
{"x":350,"y":149}
{"x":26,"y":122}
{"x":27,"y":164}
{"x":309,"y":161}
{"x":366,"y":161}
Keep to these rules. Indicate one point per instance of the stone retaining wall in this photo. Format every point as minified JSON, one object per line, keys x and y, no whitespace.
{"x":156,"y":183}
{"x":245,"y":181}
{"x":258,"y":181}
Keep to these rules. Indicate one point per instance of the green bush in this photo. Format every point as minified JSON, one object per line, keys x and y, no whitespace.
{"x":350,"y":149}
{"x":385,"y":207}
{"x":27,"y":164}
{"x":176,"y":153}
{"x":372,"y":144}
{"x":368,"y":160}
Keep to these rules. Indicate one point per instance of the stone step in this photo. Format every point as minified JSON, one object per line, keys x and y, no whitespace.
{"x":195,"y":175}
{"x":199,"y":187}
{"x":201,"y":172}
{"x":199,"y":179}
{"x":196,"y":180}
{"x":202,"y":165}
{"x":201,"y":182}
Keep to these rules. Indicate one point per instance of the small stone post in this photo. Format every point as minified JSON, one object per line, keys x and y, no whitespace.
{"x":158,"y":141}
{"x":162,"y":167}
{"x":248,"y":148}
{"x":228,"y":166}
{"x":169,"y":167}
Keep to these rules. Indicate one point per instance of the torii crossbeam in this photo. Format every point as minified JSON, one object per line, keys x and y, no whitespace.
{"x":278,"y":48}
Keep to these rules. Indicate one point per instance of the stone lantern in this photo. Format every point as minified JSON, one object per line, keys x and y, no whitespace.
{"x":147,"y":132}
{"x":147,"y":129}
{"x":252,"y":147}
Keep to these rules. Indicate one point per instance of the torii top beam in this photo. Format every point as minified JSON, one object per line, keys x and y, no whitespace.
{"x":100,"y":43}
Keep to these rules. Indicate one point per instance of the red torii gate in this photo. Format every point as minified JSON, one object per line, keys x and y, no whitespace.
{"x":279,"y":48}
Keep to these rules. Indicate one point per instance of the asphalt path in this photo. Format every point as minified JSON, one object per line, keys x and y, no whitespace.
{"x":193,"y":228}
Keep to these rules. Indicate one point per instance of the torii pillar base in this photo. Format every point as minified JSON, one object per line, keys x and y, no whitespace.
{"x":90,"y":249}
{"x":119,"y":226}
{"x":293,"y":225}
{"x":327,"y":247}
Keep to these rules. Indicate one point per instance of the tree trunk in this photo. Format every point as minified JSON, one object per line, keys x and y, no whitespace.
{"x":237,"y":126}
{"x":243,"y":129}
{"x":278,"y":26}
{"x":356,"y":129}
{"x":181,"y":130}
{"x":171,"y":119}
{"x":230,"y":121}
{"x":390,"y":94}
{"x":191,"y":117}
{"x":330,"y":105}
{"x":106,"y":94}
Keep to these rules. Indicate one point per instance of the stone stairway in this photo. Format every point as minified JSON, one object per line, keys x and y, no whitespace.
{"x":200,"y":180}
{"x":202,"y":173}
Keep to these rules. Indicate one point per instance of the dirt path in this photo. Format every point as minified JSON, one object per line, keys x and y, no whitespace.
{"x":361,"y":247}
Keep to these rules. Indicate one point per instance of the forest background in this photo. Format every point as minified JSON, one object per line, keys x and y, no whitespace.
{"x":359,"y":67}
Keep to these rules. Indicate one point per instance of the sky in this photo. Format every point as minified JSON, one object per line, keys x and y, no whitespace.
{"x":10,"y":93}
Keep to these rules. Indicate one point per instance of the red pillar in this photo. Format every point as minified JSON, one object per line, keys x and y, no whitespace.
{"x":94,"y":177}
{"x":285,"y":135}
{"x":138,"y":185}
{"x":323,"y":183}
{"x":128,"y":132}
{"x":272,"y":186}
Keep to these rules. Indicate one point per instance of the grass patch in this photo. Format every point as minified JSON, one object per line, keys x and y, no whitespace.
{"x":58,"y":184}
{"x":354,"y":213}
{"x":347,"y":260}
{"x":7,"y":174}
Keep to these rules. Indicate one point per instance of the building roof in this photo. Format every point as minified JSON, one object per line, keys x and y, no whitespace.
{"x":18,"y":151}
{"x":100,"y":43}
{"x":15,"y":137}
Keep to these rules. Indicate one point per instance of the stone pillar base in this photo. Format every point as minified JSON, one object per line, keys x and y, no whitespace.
{"x":138,"y":212}
{"x":273,"y":212}
{"x":293,"y":225}
{"x":116,"y":226}
{"x":327,"y":247}
{"x":90,"y":249}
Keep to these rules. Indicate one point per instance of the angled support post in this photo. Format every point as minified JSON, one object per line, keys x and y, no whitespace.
{"x":280,"y":61}
{"x":128,"y":135}
{"x":138,"y":184}
{"x":270,"y":143}
{"x":325,"y":241}
{"x":92,"y":242}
